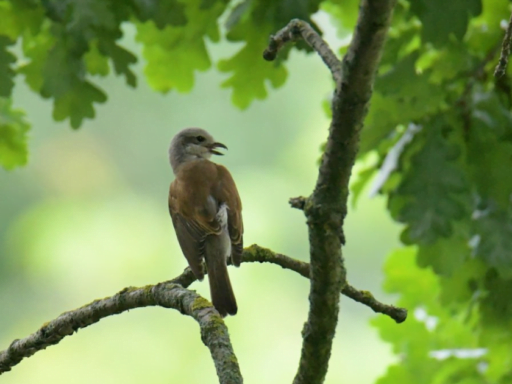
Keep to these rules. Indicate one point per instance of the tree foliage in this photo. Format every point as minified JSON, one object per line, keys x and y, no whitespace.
{"x":451,"y":185}
{"x":451,"y":189}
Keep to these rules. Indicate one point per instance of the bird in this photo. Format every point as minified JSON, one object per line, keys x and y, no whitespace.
{"x":206,"y":212}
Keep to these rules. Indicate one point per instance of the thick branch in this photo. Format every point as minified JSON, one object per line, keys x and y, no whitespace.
{"x":327,"y":207}
{"x":214,"y":333}
{"x":501,"y":68}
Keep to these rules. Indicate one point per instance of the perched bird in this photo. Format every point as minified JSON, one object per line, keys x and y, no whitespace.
{"x":206,"y":211}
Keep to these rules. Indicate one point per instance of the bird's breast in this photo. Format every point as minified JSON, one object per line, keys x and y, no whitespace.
{"x":222,"y":216}
{"x":223,"y":240}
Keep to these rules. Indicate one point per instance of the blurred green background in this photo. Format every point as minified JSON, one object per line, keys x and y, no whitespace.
{"x":88,"y":216}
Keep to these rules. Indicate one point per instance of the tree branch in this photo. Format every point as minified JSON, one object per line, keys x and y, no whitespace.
{"x":169,"y":295}
{"x":295,"y":30}
{"x":298,"y":202}
{"x":501,"y":68}
{"x":214,"y":332}
{"x":326,"y":208}
{"x":257,"y":254}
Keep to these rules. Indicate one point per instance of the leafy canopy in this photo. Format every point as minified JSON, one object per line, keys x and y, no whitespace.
{"x":451,"y":186}
{"x":451,"y":189}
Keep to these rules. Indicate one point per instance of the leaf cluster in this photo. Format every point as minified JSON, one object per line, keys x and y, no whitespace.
{"x":65,"y":44}
{"x":451,"y":188}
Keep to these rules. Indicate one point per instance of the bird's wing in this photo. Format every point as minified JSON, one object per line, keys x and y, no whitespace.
{"x":193,"y":219}
{"x":225,"y":191}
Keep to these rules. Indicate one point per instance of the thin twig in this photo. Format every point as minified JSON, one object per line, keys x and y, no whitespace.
{"x":255,"y":253}
{"x":214,"y":332}
{"x":297,"y":29}
{"x":298,"y":202}
{"x":501,"y":68}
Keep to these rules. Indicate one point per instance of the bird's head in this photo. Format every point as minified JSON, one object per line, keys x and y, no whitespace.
{"x":192,"y":144}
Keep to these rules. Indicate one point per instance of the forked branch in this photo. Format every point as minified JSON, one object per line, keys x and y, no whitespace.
{"x":326,"y":208}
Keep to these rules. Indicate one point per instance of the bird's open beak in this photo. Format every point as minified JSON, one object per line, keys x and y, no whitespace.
{"x":217,"y":145}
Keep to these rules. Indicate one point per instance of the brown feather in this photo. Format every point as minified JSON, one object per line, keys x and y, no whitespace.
{"x":221,"y":291}
{"x":195,"y":196}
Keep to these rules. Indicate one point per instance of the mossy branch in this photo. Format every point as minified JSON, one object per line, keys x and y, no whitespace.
{"x":173,"y":294}
{"x":257,"y":254}
{"x":214,"y":332}
{"x":298,"y":29}
{"x":326,"y":208}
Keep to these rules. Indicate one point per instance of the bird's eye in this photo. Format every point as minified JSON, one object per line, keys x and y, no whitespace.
{"x":200,"y":138}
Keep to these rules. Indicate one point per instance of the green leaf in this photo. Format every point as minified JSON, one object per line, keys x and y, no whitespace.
{"x":36,"y":49}
{"x":176,"y":52}
{"x":89,"y":25}
{"x":251,"y":84}
{"x":63,"y":81}
{"x":272,"y":14}
{"x":496,"y":306}
{"x":459,"y":287}
{"x":357,"y":187}
{"x":460,"y":371}
{"x":496,"y":321}
{"x":434,"y":191}
{"x":84,"y":19}
{"x":163,"y":12}
{"x":77,"y":103}
{"x":493,"y":228}
{"x":401,"y":374}
{"x":440,"y":19}
{"x":446,"y":64}
{"x":401,"y":96}
{"x":403,"y":40}
{"x":172,"y":57}
{"x":393,"y":148}
{"x":417,"y":286}
{"x":488,"y":110}
{"x":61,"y":54}
{"x":20,"y":16}
{"x":252,"y":22}
{"x":489,"y":148}
{"x":344,"y":13}
{"x":95,"y":62}
{"x":500,"y":359}
{"x":13,"y":135}
{"x":121,"y":58}
{"x":485,"y":31}
{"x":6,"y":71}
{"x":446,"y":256}
{"x":429,"y":328}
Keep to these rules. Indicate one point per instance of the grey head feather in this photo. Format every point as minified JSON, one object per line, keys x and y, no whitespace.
{"x":190,"y":144}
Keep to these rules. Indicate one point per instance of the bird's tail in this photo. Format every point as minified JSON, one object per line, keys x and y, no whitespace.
{"x":221,"y":292}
